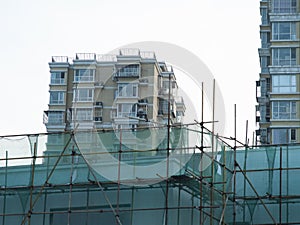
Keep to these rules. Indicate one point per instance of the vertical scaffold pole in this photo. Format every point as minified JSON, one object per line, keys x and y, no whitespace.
{"x":280,"y":187}
{"x":168,"y":152}
{"x":201,"y":154}
{"x":212,"y":156}
{"x":5,"y":187}
{"x":29,"y":213}
{"x":234,"y":168}
{"x":119,"y":176}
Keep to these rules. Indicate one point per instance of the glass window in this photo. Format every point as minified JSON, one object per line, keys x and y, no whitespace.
{"x":129,"y":71}
{"x":55,"y":118}
{"x":284,"y":56}
{"x":57,"y":78}
{"x":280,"y":136}
{"x":83,"y":114}
{"x":283,"y":135}
{"x":284,"y":84}
{"x":127,"y":110}
{"x":84,"y":75}
{"x":57,"y":97}
{"x":83,"y":95}
{"x":284,"y":31}
{"x":284,"y":6}
{"x":293,"y":134}
{"x":284,"y":110}
{"x":127,"y":90}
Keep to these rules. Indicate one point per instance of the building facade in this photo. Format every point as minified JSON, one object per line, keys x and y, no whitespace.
{"x":128,"y":90}
{"x":278,"y":88}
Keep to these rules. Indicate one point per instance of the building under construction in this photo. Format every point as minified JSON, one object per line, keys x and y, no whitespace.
{"x":207,"y":181}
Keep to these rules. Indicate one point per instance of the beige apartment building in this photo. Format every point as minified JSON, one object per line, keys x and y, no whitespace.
{"x":278,"y":88}
{"x":130,"y":90}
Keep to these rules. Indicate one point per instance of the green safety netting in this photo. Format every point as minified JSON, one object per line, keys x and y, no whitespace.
{"x":146,"y":176}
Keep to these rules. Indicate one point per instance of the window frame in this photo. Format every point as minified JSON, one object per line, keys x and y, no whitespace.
{"x":286,"y":134}
{"x":125,"y":112}
{"x":57,"y":100}
{"x":284,"y":112}
{"x":281,"y":58}
{"x":57,"y":78}
{"x":56,"y":118}
{"x":284,"y":6}
{"x":83,"y":114}
{"x":78,"y":96}
{"x":278,"y":32}
{"x":129,"y":89}
{"x":131,"y":70}
{"x":84,"y":75}
{"x":278,"y":84}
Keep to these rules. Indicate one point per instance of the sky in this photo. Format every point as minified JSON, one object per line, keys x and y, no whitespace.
{"x":223,"y":34}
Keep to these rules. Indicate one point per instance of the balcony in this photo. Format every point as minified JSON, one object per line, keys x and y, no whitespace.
{"x":127,"y":71}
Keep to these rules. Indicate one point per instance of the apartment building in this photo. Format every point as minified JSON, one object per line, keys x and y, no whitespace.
{"x":278,"y":88}
{"x":128,"y":91}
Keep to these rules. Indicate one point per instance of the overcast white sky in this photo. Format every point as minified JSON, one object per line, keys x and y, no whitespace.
{"x":223,"y":34}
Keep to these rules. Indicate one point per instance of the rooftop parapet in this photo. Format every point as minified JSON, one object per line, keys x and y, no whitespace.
{"x":60,"y":59}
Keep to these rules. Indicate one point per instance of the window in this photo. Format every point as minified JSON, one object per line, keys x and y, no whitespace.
{"x":56,"y":118}
{"x":284,"y":31}
{"x":293,"y":136}
{"x":283,"y":135}
{"x":284,"y":6}
{"x":129,"y":71}
{"x":127,"y":110}
{"x":84,"y":75}
{"x":127,"y":90}
{"x":83,"y":95}
{"x":283,"y":110}
{"x":284,"y":83}
{"x":57,"y":78}
{"x":57,"y":97}
{"x":83,"y":114}
{"x":284,"y":56}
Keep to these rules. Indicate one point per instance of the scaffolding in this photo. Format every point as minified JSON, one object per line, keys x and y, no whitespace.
{"x":209,"y":181}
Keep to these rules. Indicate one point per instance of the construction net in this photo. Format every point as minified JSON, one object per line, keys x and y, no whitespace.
{"x":177,"y":175}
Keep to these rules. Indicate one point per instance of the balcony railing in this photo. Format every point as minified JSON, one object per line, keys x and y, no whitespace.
{"x":60,"y":59}
{"x":85,"y":56}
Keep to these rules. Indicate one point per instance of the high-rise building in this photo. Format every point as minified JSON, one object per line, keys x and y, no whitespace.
{"x":278,"y":88}
{"x":128,"y":90}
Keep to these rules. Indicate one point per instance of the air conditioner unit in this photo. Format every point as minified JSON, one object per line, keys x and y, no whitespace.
{"x":98,"y":119}
{"x":99,"y":104}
